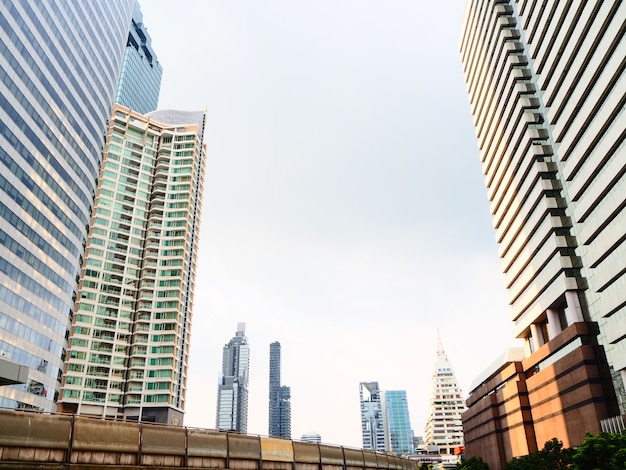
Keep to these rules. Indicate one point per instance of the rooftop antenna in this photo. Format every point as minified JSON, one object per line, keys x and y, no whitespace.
{"x":440,"y":351}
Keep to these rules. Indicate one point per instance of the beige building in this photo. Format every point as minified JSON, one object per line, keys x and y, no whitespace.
{"x":129,"y":342}
{"x":444,"y":428}
{"x":547,"y":90}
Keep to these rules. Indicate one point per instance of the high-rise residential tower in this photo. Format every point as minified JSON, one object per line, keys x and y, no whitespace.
{"x":546,"y":88}
{"x":444,"y":427}
{"x":397,"y":422}
{"x":140,"y":79}
{"x":59,"y":66}
{"x":372,"y":417}
{"x":232,"y":392}
{"x":279,"y":398}
{"x":129,"y":343}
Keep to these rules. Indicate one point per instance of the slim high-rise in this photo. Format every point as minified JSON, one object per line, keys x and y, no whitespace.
{"x":140,"y":78}
{"x":129,"y":343}
{"x":397,"y":422}
{"x":546,"y":88}
{"x":279,"y":398}
{"x":232,"y":392}
{"x":59,"y":66}
{"x":372,"y":417}
{"x":443,"y":426}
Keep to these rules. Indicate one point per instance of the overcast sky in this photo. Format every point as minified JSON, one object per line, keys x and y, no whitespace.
{"x":345,"y":214}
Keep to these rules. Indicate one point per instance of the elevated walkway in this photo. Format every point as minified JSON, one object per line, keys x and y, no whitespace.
{"x":56,"y":441}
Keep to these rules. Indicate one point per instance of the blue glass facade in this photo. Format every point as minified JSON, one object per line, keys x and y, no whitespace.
{"x":140,"y":80}
{"x":400,"y":434}
{"x":59,"y":65}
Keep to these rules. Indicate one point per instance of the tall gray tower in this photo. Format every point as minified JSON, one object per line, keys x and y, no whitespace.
{"x":279,"y":398}
{"x":59,"y":68}
{"x":232,"y":392}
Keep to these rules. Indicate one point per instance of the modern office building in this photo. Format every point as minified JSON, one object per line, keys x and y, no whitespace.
{"x":546,"y":88}
{"x":312,"y":437}
{"x":59,"y":66}
{"x":397,"y":422}
{"x":444,"y":427}
{"x":140,"y":80}
{"x":232,"y":392}
{"x":129,"y":342}
{"x":279,"y":398}
{"x":372,"y":417}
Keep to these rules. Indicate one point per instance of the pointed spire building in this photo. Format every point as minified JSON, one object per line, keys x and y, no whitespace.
{"x":444,"y":427}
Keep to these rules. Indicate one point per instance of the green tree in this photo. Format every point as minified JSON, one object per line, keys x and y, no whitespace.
{"x":551,"y":457}
{"x":475,"y":463}
{"x":605,"y":451}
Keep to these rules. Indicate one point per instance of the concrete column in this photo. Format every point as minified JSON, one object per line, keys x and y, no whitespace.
{"x":573,"y":312}
{"x":554,"y":324}
{"x":527,"y":349}
{"x":537,"y":337}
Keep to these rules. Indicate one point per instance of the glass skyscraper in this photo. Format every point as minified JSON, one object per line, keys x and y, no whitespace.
{"x":279,"y":398}
{"x":372,"y":417}
{"x":140,"y":79}
{"x":129,"y":344}
{"x":232,"y":392}
{"x":398,"y":422}
{"x":59,"y":67}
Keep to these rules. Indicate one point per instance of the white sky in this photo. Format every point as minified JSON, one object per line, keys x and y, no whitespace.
{"x":344,"y":208}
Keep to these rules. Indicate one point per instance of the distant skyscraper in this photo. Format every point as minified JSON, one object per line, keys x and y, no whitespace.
{"x":232,"y":392}
{"x":545,"y":82}
{"x":311,"y":437}
{"x":140,"y":80}
{"x":129,"y":344}
{"x":444,"y":427}
{"x":372,"y":420}
{"x":59,"y":66}
{"x":397,"y":422}
{"x":279,"y":398}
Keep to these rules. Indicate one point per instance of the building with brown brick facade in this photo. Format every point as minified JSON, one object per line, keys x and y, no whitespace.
{"x":547,"y":88}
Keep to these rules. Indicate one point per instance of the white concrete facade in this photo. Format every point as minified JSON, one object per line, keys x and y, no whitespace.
{"x":444,"y":427}
{"x":547,"y":91}
{"x":129,"y":342}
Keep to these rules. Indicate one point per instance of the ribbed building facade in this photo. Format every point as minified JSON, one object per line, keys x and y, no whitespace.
{"x":397,"y":422}
{"x":140,"y":78}
{"x":373,"y":428}
{"x":232,"y":391}
{"x":279,"y":398}
{"x":59,"y":66}
{"x":547,"y":90}
{"x":444,"y":427}
{"x":129,"y":342}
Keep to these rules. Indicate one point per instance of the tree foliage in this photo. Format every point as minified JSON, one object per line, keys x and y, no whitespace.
{"x":473,"y":464}
{"x":551,"y":457}
{"x":605,"y":451}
